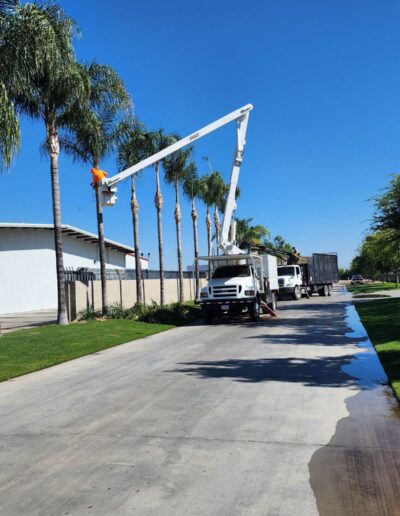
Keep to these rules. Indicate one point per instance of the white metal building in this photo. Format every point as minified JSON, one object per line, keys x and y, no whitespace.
{"x":28,"y":264}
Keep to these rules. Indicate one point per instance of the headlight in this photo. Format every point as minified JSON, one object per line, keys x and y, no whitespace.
{"x":204,"y":294}
{"x":249,"y":293}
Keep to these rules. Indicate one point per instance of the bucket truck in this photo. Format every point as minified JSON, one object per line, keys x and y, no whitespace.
{"x":241,"y":282}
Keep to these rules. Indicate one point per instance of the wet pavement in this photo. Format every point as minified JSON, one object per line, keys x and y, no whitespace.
{"x":289,"y":416}
{"x":358,"y":471}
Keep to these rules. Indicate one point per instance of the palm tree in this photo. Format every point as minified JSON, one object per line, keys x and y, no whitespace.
{"x":9,"y":129}
{"x":157,"y":141}
{"x":91,"y":133}
{"x":192,"y":189}
{"x":211,"y":192}
{"x":248,"y":234}
{"x":218,"y":193}
{"x":222,"y":202}
{"x":176,"y":168}
{"x":43,"y":80}
{"x":134,"y":147}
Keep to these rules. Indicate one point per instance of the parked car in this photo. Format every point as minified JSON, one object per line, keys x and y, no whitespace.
{"x":357,"y":279}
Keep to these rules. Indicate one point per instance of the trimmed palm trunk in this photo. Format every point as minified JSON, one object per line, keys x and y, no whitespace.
{"x":135,"y":223}
{"x":158,"y":201}
{"x":196,"y":250}
{"x":102,"y":248}
{"x":208,"y":226}
{"x":53,"y":148}
{"x":179,"y":242}
{"x":216,"y":223}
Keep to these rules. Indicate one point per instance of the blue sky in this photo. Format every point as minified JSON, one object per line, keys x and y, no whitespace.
{"x":323,"y":136}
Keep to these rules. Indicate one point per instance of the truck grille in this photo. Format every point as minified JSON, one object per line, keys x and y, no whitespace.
{"x":225,"y":291}
{"x":281,"y":282}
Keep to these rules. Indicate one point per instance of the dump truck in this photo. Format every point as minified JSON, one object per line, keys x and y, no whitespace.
{"x":314,"y":274}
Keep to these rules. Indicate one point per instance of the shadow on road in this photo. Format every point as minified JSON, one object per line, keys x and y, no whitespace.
{"x":319,"y":372}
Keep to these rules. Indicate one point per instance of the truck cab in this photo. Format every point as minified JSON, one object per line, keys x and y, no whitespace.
{"x":239,"y":285}
{"x":290,"y":279}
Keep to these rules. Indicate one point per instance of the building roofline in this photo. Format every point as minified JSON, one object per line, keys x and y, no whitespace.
{"x":72,"y":231}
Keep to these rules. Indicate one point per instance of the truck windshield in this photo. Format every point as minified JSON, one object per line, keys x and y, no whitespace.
{"x":285,"y":271}
{"x":232,"y":271}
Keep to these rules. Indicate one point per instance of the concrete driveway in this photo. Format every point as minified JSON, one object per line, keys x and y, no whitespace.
{"x":284,"y":417}
{"x":24,"y":320}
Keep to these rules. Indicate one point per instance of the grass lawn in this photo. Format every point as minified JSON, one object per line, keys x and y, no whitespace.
{"x":371,"y":287}
{"x":25,"y":351}
{"x":382,"y":321}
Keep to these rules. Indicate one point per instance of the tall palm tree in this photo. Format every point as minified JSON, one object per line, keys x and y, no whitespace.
{"x":157,"y":141}
{"x":91,"y":133}
{"x":134,"y":147}
{"x":43,"y":80}
{"x":176,"y":168}
{"x":192,"y":189}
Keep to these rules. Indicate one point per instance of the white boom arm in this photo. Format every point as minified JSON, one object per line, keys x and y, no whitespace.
{"x":108,"y":189}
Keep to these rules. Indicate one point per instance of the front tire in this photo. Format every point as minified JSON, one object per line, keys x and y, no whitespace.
{"x":208,"y":317}
{"x":296,"y":293}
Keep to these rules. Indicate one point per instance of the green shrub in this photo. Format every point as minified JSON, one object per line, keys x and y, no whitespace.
{"x":117,"y":311}
{"x":176,"y":314}
{"x":89,"y":314}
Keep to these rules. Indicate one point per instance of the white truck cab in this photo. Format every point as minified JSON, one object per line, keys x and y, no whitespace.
{"x":239,"y":285}
{"x":290,"y":279}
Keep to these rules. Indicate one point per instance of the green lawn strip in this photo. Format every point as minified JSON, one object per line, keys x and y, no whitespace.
{"x":373,"y":287}
{"x":382,"y":321}
{"x":25,"y":351}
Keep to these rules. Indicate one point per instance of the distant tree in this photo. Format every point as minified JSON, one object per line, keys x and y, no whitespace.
{"x":387,"y":209}
{"x":379,"y":254}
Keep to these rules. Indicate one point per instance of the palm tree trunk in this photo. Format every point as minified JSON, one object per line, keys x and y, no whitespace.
{"x":102,"y":250}
{"x":196,"y":250}
{"x":158,"y":201}
{"x":208,"y":226}
{"x":179,"y":242}
{"x":135,"y":223}
{"x":53,"y":147}
{"x":216,"y":223}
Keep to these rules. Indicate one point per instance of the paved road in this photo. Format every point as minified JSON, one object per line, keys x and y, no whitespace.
{"x":282,"y":417}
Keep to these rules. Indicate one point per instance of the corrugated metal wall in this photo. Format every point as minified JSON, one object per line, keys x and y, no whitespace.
{"x":27,"y":270}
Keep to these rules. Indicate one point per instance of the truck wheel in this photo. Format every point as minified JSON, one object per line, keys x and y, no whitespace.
{"x":255,"y":311}
{"x":208,"y":317}
{"x":296,"y":293}
{"x":329,"y":290}
{"x":323,"y":291}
